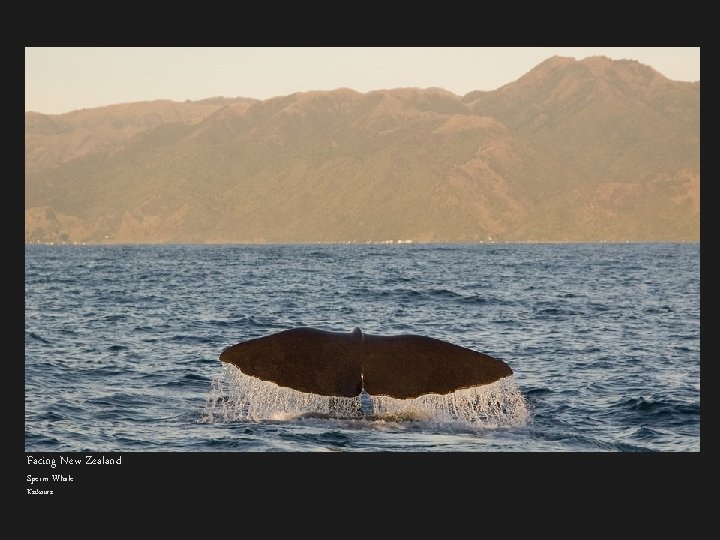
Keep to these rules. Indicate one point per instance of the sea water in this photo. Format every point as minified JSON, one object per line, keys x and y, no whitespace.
{"x":122,"y":345}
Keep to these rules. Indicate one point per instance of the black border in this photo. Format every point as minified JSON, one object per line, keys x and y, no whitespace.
{"x":474,"y":486}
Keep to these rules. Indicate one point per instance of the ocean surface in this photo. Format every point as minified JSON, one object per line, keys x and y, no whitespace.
{"x":122,"y":345}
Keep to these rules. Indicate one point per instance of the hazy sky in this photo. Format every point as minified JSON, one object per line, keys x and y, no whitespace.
{"x":61,"y":79}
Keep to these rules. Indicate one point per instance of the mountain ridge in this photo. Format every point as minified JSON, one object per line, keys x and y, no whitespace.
{"x":574,"y":150}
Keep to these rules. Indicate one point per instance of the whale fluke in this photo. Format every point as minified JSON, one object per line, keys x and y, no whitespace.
{"x":343,"y":364}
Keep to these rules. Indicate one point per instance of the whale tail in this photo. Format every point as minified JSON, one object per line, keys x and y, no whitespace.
{"x":355,"y":363}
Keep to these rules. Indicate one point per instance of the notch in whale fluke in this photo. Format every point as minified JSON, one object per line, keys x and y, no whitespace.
{"x":342,"y":364}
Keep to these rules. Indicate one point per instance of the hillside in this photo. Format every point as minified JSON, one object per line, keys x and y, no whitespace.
{"x":589,"y":150}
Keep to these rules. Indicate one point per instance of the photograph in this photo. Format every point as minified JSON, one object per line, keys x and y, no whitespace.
{"x":358,"y":250}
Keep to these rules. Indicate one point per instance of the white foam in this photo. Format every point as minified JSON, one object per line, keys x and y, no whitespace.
{"x":235,"y":396}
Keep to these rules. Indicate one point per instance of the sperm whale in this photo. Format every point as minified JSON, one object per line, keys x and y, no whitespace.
{"x":347,"y":364}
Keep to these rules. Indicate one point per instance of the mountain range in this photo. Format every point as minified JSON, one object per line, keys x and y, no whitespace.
{"x":585,"y":150}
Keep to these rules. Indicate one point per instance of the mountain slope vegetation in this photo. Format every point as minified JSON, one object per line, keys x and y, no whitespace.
{"x":575,"y":150}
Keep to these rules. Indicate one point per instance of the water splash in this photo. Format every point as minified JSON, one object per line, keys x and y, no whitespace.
{"x":235,"y":396}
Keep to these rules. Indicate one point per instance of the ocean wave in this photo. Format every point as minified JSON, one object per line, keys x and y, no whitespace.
{"x":658,"y":411}
{"x":36,"y":337}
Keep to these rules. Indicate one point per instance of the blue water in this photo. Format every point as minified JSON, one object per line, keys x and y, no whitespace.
{"x":122,"y":343}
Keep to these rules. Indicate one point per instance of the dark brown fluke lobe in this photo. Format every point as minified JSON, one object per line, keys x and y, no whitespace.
{"x":331,"y":363}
